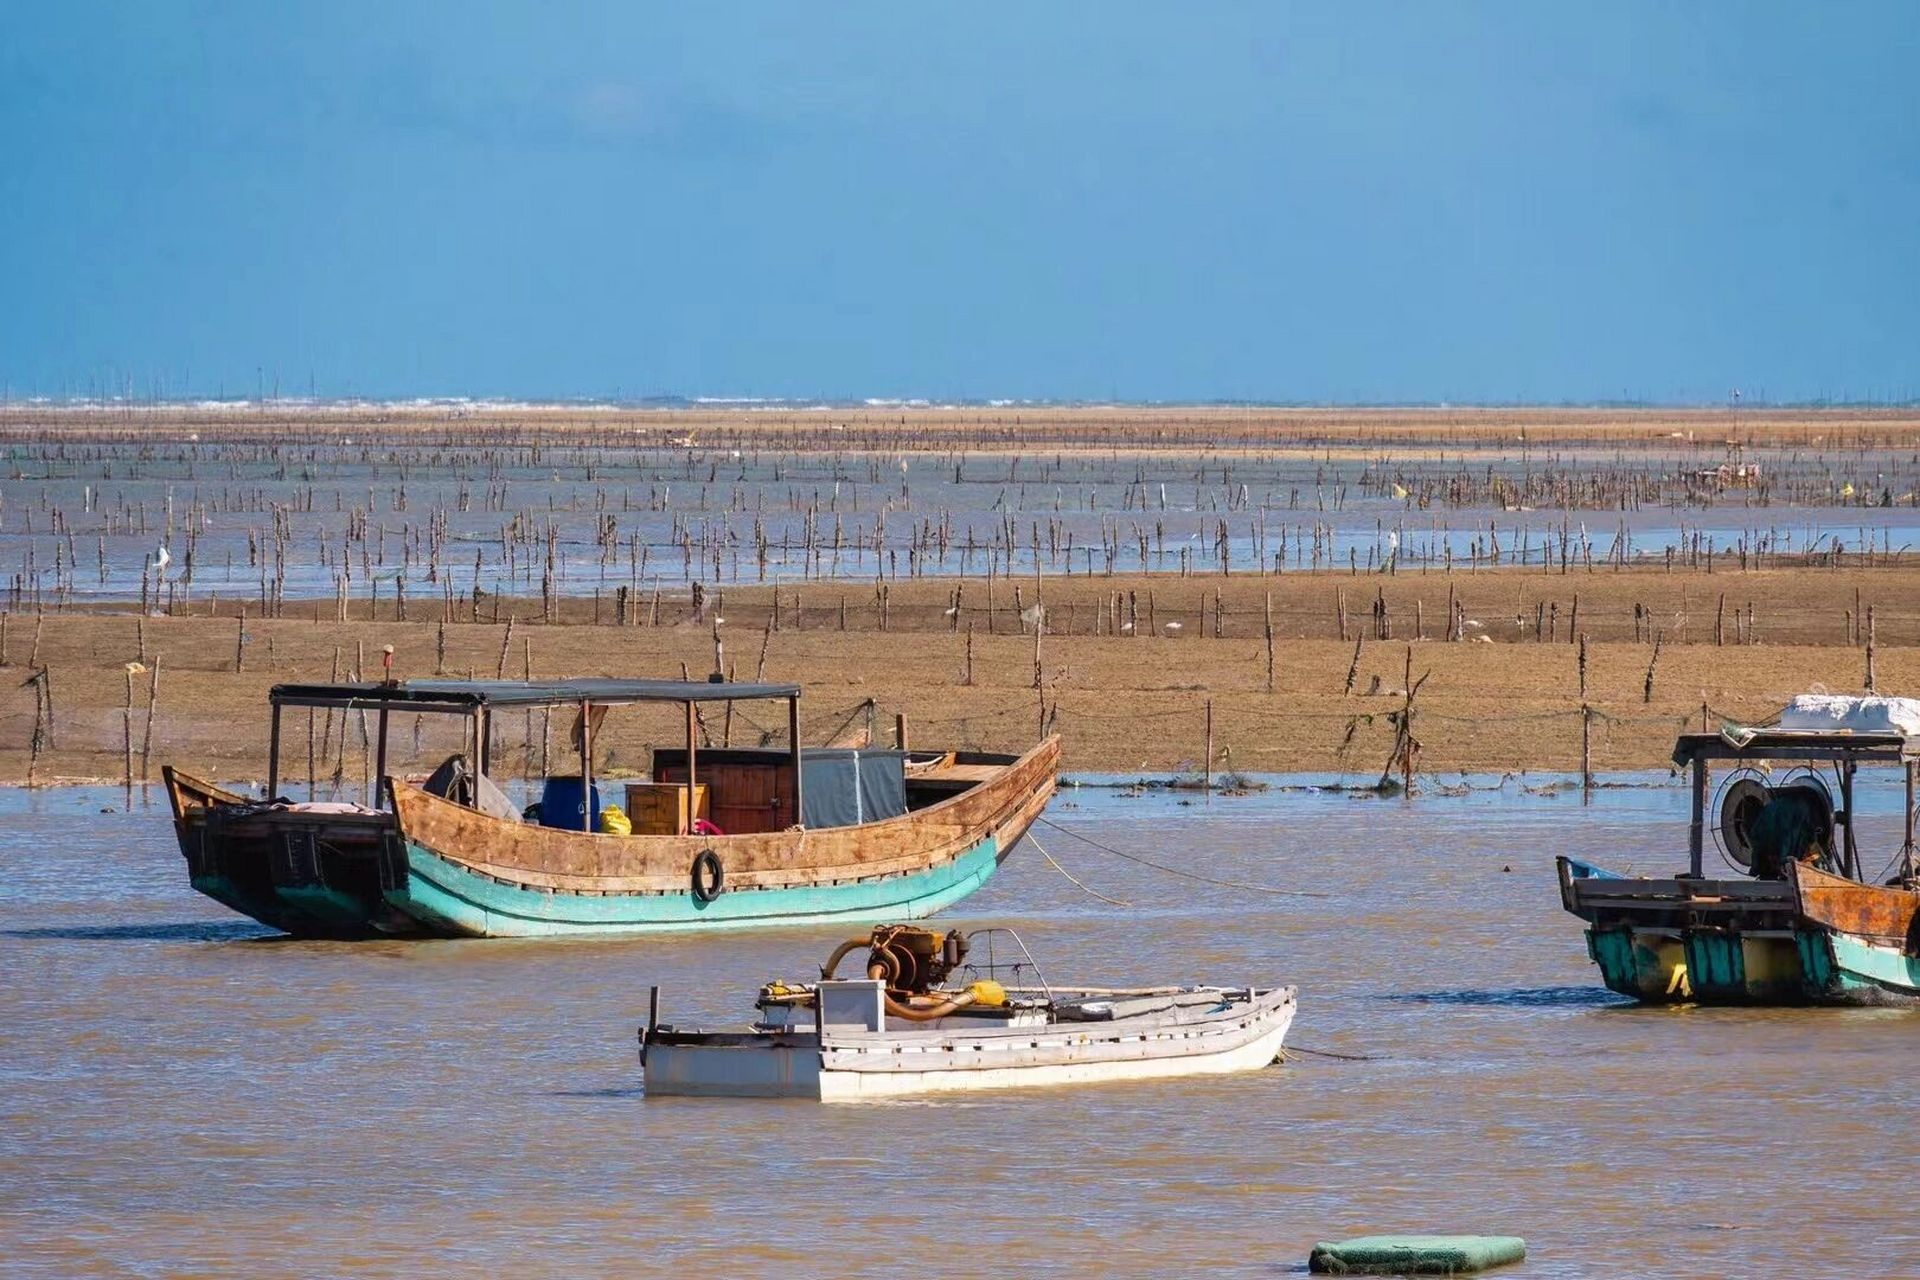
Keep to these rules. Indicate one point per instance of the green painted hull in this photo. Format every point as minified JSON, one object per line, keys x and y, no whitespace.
{"x":1724,"y":966}
{"x":449,"y":899}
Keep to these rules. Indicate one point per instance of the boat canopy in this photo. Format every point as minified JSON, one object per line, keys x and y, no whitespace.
{"x":1795,"y":744}
{"x":466,"y":696}
{"x":479,"y":699}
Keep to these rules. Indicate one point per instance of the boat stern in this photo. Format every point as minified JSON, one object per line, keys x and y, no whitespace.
{"x":1678,"y":940}
{"x":312,"y":871}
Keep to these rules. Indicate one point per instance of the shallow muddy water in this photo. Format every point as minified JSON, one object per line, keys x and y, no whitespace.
{"x":181,"y":1094}
{"x":650,"y":517}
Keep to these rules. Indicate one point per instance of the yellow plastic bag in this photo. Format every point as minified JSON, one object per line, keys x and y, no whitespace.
{"x":614,"y":821}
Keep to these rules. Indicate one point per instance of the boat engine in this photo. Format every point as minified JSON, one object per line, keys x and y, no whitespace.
{"x":913,"y":963}
{"x":909,"y":959}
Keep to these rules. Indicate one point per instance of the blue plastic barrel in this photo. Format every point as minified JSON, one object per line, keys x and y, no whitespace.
{"x":562,"y":804}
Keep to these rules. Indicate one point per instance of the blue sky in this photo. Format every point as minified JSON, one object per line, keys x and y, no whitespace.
{"x":1342,"y":202}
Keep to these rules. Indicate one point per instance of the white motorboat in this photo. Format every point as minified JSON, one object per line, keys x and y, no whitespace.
{"x":928,"y":1019}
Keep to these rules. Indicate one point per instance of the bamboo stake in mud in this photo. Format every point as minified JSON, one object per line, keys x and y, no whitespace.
{"x":46,"y":694}
{"x":39,"y":740}
{"x":1586,"y":729}
{"x":146,"y":731}
{"x":1871,"y":687}
{"x":1406,"y":727}
{"x":1207,"y":770}
{"x":1269,"y":623}
{"x":1586,"y":753}
{"x":126,"y":734}
{"x":968,"y":681}
{"x":1038,"y":626}
{"x":1646,"y":693}
{"x":506,"y":647}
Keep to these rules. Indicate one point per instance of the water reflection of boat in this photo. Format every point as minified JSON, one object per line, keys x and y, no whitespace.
{"x":932,"y":1017}
{"x":721,"y":837}
{"x":1804,"y":919}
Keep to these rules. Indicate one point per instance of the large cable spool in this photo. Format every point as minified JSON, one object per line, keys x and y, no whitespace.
{"x":1740,"y":804}
{"x":1764,"y":826}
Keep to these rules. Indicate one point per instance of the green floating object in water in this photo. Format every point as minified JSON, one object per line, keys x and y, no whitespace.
{"x":1414,"y":1255}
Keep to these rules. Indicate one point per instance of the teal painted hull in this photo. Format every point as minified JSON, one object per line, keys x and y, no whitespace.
{"x":1809,"y":966}
{"x":446,"y":898}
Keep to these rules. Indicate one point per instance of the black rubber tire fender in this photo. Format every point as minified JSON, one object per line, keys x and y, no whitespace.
{"x":709,"y":877}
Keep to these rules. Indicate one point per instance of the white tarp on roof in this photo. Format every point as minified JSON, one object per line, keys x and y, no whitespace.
{"x":1851,"y":713}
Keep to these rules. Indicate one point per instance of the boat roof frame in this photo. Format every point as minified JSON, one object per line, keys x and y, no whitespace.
{"x":464,"y":697}
{"x":1797,"y":744}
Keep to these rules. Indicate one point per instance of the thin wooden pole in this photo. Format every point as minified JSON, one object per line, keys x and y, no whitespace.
{"x":1871,"y":683}
{"x":126,"y":734}
{"x":1586,"y":752}
{"x":379,"y":763}
{"x":1852,"y":856}
{"x":586,"y":764}
{"x":273,"y":747}
{"x":1696,"y":826}
{"x":153,"y":702}
{"x":1269,"y":620}
{"x":693,"y":748}
{"x":1207,"y":773}
{"x":1406,"y":729}
{"x":793,"y":740}
{"x":1906,"y":848}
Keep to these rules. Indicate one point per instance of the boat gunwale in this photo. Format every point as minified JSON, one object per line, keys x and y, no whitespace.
{"x":1263,"y":1002}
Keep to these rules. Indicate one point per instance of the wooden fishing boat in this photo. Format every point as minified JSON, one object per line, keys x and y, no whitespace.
{"x":719,"y":838}
{"x":928,"y":1019}
{"x":1802,"y":918}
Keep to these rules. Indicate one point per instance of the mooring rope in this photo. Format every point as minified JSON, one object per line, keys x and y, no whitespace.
{"x":1069,"y":875}
{"x":1176,"y":871}
{"x":1329,"y":1053}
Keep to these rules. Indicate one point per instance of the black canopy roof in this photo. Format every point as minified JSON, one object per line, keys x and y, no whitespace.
{"x":1796,"y":744}
{"x":461,"y":695}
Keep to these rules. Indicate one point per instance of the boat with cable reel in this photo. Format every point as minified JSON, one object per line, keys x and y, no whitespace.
{"x":959,"y":1011}
{"x":1798,"y":912}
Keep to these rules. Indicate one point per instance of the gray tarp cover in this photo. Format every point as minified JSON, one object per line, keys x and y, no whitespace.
{"x":844,"y":787}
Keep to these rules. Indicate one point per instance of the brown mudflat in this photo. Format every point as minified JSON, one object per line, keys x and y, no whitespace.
{"x":1123,"y":699}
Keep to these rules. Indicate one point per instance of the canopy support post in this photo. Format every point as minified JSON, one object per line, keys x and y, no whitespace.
{"x":379,"y":761}
{"x":1906,"y":847}
{"x":793,"y":740}
{"x":586,"y":766}
{"x":1696,"y":830}
{"x":273,"y":762}
{"x":693,"y":748}
{"x":1850,"y":859}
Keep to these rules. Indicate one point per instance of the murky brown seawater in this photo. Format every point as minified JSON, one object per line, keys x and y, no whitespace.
{"x":179,"y":1095}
